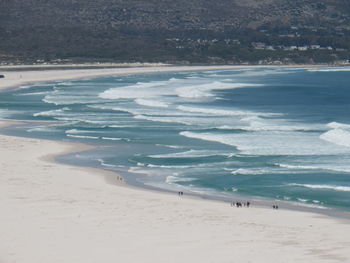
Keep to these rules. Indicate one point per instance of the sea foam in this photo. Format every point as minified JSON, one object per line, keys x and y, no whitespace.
{"x":191,"y":154}
{"x":51,"y":113}
{"x":222,"y":112}
{"x":326,"y":187}
{"x":337,"y":136}
{"x":271,"y":143}
{"x":82,"y":137}
{"x":321,"y":166}
{"x":205,"y":90}
{"x":151,"y":103}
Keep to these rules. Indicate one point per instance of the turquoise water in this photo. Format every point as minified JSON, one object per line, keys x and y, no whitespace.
{"x":271,"y":133}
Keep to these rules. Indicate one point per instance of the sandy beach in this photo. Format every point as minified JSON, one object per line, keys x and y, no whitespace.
{"x":52,"y":212}
{"x":15,"y":77}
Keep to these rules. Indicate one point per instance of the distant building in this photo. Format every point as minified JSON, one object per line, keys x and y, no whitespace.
{"x":259,"y":45}
{"x":288,"y":35}
{"x":342,"y":62}
{"x":315,"y":46}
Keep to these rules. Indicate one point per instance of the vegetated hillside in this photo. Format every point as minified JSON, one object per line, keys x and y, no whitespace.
{"x":221,"y":31}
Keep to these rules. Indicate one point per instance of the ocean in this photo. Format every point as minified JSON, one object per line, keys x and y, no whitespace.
{"x":269,"y":133}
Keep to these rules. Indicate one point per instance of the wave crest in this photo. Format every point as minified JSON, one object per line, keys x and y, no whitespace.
{"x":326,"y":187}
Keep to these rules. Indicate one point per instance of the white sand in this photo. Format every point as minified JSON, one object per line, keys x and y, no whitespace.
{"x":16,"y":78}
{"x":58,"y":213}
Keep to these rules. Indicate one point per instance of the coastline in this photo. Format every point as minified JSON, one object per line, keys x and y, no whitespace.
{"x":132,"y":180}
{"x":16,"y":76}
{"x":26,"y":74}
{"x":49,"y":208}
{"x":48,"y":73}
{"x":59,"y":200}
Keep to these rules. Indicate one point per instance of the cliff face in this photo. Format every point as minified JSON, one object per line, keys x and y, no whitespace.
{"x":67,"y":27}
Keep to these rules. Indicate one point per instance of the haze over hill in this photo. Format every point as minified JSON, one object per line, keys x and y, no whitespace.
{"x":204,"y":31}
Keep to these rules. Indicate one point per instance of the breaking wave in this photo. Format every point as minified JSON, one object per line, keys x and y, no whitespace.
{"x":337,"y":136}
{"x":151,"y":103}
{"x":51,"y":113}
{"x":83,"y":136}
{"x":326,"y":187}
{"x":309,"y":167}
{"x":191,"y":154}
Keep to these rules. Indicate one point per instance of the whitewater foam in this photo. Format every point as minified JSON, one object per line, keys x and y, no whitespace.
{"x":168,"y":166}
{"x":42,"y":129}
{"x":175,"y":179}
{"x":256,"y":171}
{"x":151,"y":103}
{"x":163,"y":119}
{"x":140,"y":90}
{"x":35,"y":93}
{"x":205,"y":90}
{"x":327,"y":187}
{"x":337,"y":136}
{"x":338,"y":125}
{"x":191,"y":154}
{"x":171,"y":146}
{"x":102,"y":162}
{"x":271,"y":143}
{"x":221,"y":112}
{"x":76,"y":131}
{"x":115,"y":139}
{"x":51,"y":113}
{"x":5,"y":113}
{"x":83,"y":137}
{"x":326,"y":167}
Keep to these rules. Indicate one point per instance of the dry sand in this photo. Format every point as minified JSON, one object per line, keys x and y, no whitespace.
{"x":51,"y":212}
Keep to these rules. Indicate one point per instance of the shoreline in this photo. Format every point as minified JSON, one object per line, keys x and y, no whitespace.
{"x":16,"y":76}
{"x":48,"y":73}
{"x":49,"y":207}
{"x":129,"y":179}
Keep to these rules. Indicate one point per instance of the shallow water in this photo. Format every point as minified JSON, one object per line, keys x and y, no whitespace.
{"x":273,"y":133}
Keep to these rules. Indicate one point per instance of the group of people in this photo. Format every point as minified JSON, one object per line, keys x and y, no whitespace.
{"x":180,"y":193}
{"x":119,"y":178}
{"x":240,"y":204}
{"x":247,"y":204}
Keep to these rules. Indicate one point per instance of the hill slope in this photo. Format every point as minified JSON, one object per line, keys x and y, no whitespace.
{"x":171,"y":30}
